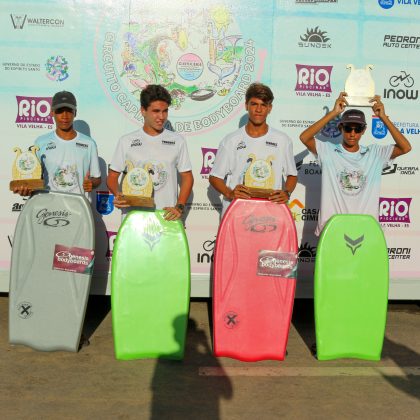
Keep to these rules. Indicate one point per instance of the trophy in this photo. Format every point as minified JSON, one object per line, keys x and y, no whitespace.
{"x":259,"y":177}
{"x":26,"y":170}
{"x":359,"y":86}
{"x":137,"y":186}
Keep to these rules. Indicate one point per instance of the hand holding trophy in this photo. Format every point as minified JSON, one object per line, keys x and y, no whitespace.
{"x":26,"y":172}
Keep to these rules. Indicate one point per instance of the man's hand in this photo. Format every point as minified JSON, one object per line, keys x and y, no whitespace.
{"x":240,"y":191}
{"x":120,"y":202}
{"x":279,"y":196}
{"x":24,"y":191}
{"x":172,"y":213}
{"x":340,"y":103}
{"x":87,"y":183}
{"x":378,"y":107}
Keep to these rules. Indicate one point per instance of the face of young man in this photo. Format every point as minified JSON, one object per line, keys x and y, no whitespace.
{"x":155,"y":117}
{"x":352,"y":133}
{"x":64,"y":118}
{"x":258,"y":111}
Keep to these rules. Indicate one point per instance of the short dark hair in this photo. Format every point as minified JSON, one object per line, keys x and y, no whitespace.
{"x":154,"y":93}
{"x":260,"y":91}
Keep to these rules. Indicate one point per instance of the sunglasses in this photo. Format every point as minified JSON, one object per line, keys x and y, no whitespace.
{"x":357,"y":128}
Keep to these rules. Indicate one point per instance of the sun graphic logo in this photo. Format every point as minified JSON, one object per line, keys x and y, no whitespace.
{"x":314,"y":38}
{"x":306,"y":253}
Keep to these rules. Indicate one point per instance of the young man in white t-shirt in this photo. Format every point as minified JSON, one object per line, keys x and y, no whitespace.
{"x":351,"y":173}
{"x":163,"y":150}
{"x":258,"y":139}
{"x":69,"y":159}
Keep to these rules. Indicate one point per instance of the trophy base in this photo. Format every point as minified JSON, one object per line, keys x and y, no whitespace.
{"x":359,"y":100}
{"x":260,"y":192}
{"x":32,"y":184}
{"x":139,"y":201}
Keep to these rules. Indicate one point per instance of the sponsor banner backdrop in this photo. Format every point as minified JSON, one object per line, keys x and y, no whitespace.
{"x":207,"y":54}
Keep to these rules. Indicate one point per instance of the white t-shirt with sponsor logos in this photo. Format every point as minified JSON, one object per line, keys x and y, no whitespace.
{"x":167,"y":153}
{"x":351,"y":182}
{"x":237,"y":150}
{"x":66,"y":162}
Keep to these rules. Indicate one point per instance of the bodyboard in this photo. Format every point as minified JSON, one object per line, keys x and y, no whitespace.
{"x":47,"y":303}
{"x":150,"y":287}
{"x":351,"y":288}
{"x":254,"y":280}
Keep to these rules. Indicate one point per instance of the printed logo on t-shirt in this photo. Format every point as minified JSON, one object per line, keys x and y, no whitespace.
{"x":82,"y":145}
{"x":351,"y":182}
{"x":50,"y":146}
{"x":65,"y":178}
{"x":158,"y":173}
{"x":135,"y":143}
{"x":168,"y":142}
{"x":241,"y":145}
{"x":271,"y":144}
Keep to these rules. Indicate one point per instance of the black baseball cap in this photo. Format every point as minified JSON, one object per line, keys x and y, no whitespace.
{"x":353,"y":116}
{"x":64,"y":99}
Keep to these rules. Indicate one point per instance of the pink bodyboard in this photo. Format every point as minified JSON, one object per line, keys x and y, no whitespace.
{"x":254,"y":280}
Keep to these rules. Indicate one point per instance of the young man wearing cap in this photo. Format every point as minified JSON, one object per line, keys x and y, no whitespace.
{"x":69,"y":158}
{"x":163,"y":150}
{"x":259,"y":139}
{"x":351,"y":173}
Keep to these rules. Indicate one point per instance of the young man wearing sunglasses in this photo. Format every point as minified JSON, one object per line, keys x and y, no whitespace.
{"x":351,"y":173}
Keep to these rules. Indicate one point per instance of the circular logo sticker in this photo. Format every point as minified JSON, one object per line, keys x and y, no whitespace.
{"x":231,"y":319}
{"x":24,"y":310}
{"x":137,"y":178}
{"x":26,"y":163}
{"x":260,"y":170}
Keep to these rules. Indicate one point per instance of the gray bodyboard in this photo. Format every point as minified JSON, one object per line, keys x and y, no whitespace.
{"x":47,"y":306}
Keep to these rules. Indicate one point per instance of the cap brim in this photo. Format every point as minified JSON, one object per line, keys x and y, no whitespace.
{"x":63,"y":105}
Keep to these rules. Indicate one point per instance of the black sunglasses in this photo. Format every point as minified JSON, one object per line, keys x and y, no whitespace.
{"x":357,"y":128}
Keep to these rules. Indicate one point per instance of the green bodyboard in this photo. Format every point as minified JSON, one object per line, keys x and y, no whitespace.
{"x":351,"y":288}
{"x":150,"y":287}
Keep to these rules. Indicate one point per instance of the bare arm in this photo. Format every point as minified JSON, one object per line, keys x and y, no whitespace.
{"x":240,"y":191}
{"x":187,"y":181}
{"x":282,"y":196}
{"x":402,"y":145}
{"x":307,"y":137}
{"x":90,"y":183}
{"x":112,"y":183}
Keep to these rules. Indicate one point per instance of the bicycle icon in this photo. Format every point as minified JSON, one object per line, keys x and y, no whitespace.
{"x":209,"y":245}
{"x":405,"y":78}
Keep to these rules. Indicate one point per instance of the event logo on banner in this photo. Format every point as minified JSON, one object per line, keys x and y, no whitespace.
{"x":34,"y":112}
{"x":19,"y":21}
{"x":209,"y":155}
{"x":104,"y":202}
{"x":306,"y":253}
{"x":301,"y":213}
{"x":401,"y":170}
{"x":314,"y":38}
{"x":379,"y":129}
{"x":313,"y":80}
{"x":402,"y":41}
{"x":387,"y":4}
{"x":401,"y":84}
{"x":199,"y":54}
{"x":57,"y":68}
{"x":394,"y":212}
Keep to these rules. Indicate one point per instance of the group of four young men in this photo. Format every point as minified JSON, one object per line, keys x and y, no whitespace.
{"x":351,"y":173}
